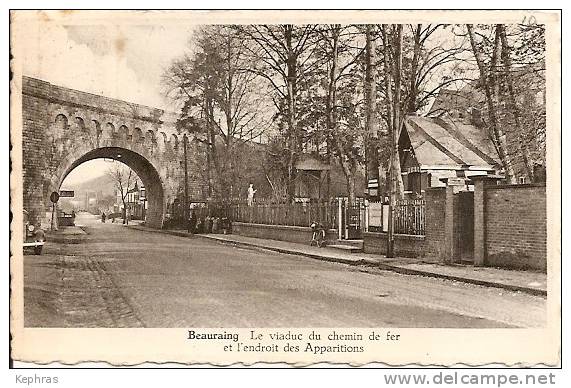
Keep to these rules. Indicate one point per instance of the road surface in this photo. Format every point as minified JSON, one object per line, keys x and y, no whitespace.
{"x":120,"y":277}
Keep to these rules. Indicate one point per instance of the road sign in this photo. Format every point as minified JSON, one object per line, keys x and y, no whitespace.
{"x":373,"y":184}
{"x":67,"y":193}
{"x":456,"y":181}
{"x":54,"y":197}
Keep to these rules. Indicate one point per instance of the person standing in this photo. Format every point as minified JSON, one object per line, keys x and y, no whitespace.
{"x":251,"y":193}
{"x":103,"y":217}
{"x":192,"y":221}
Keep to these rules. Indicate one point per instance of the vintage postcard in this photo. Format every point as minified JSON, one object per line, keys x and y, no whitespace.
{"x":242,"y":187}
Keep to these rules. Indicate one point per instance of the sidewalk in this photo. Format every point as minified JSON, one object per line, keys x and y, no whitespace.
{"x":66,"y":235}
{"x":534,"y":283}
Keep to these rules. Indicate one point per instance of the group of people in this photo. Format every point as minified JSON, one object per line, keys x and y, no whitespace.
{"x":104,"y":217}
{"x":209,"y":224}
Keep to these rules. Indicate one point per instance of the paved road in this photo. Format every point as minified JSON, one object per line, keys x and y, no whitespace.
{"x":119,"y":277}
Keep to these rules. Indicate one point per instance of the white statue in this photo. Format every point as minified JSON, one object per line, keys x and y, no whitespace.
{"x":251,"y":193}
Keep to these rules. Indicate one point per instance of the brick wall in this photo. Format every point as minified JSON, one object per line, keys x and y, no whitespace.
{"x":435,"y":214}
{"x":405,"y":245}
{"x":516,"y":226}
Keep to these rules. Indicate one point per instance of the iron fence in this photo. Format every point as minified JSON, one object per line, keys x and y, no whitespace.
{"x":409,"y":217}
{"x":295,"y":214}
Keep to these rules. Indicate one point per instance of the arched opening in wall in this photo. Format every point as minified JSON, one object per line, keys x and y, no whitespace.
{"x":116,"y":181}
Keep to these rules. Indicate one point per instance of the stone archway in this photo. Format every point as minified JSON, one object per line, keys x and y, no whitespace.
{"x":63,"y":128}
{"x":141,"y":166}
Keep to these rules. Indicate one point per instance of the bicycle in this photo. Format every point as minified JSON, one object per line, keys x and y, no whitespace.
{"x":318,"y":235}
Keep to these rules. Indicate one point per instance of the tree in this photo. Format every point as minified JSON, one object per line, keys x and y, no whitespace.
{"x":429,"y":52}
{"x":275,"y":168}
{"x":392,"y":67}
{"x":222,"y":99}
{"x":344,"y":128}
{"x":282,"y":56}
{"x":489,"y":83}
{"x":527,"y":52}
{"x":124,"y":179}
{"x":512,"y":103}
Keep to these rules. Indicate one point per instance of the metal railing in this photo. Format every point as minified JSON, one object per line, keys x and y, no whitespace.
{"x":409,"y":216}
{"x":295,"y":214}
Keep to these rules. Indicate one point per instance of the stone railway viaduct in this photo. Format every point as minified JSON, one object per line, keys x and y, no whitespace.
{"x":63,"y":128}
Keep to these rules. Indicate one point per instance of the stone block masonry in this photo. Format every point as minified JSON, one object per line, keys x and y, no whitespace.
{"x":62,"y":128}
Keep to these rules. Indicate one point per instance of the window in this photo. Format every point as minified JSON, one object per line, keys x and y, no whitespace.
{"x":522,"y":180}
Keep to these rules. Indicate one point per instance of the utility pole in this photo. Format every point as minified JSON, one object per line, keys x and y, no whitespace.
{"x":391,"y":234}
{"x":53,"y":214}
{"x":371,"y":133}
{"x":394,"y":140}
{"x":185,"y":212}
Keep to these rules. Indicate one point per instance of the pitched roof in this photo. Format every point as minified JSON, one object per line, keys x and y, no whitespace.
{"x":309,"y":162}
{"x":444,"y":142}
{"x":450,"y":99}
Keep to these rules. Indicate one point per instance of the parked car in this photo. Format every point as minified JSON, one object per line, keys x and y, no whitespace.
{"x":34,"y":237}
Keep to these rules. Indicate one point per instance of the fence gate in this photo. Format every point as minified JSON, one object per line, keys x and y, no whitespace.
{"x":466,"y":236}
{"x":351,"y":220}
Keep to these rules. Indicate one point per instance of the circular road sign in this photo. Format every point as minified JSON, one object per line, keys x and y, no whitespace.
{"x":54,"y":197}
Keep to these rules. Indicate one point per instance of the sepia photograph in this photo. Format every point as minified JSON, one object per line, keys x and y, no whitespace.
{"x":352,"y":174}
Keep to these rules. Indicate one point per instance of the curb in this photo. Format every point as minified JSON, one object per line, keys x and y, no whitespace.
{"x":369,"y":263}
{"x":162,"y":231}
{"x":65,"y":240}
{"x":70,"y":239}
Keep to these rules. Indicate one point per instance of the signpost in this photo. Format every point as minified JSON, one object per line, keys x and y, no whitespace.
{"x":457,"y":183}
{"x":373,"y":188}
{"x":54,"y":197}
{"x":66,"y":194}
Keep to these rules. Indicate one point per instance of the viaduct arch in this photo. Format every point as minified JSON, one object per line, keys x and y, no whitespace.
{"x":63,"y":128}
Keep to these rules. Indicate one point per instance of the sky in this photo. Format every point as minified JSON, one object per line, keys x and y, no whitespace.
{"x":119,"y":60}
{"x":85,"y":171}
{"x":123,"y":60}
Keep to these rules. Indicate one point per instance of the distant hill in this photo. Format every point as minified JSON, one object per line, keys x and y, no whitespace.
{"x":102,"y":184}
{"x":97,"y":189}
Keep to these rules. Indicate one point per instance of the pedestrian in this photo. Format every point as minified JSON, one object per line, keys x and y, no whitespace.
{"x":251,"y":193}
{"x":103,"y":217}
{"x":192,"y":225}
